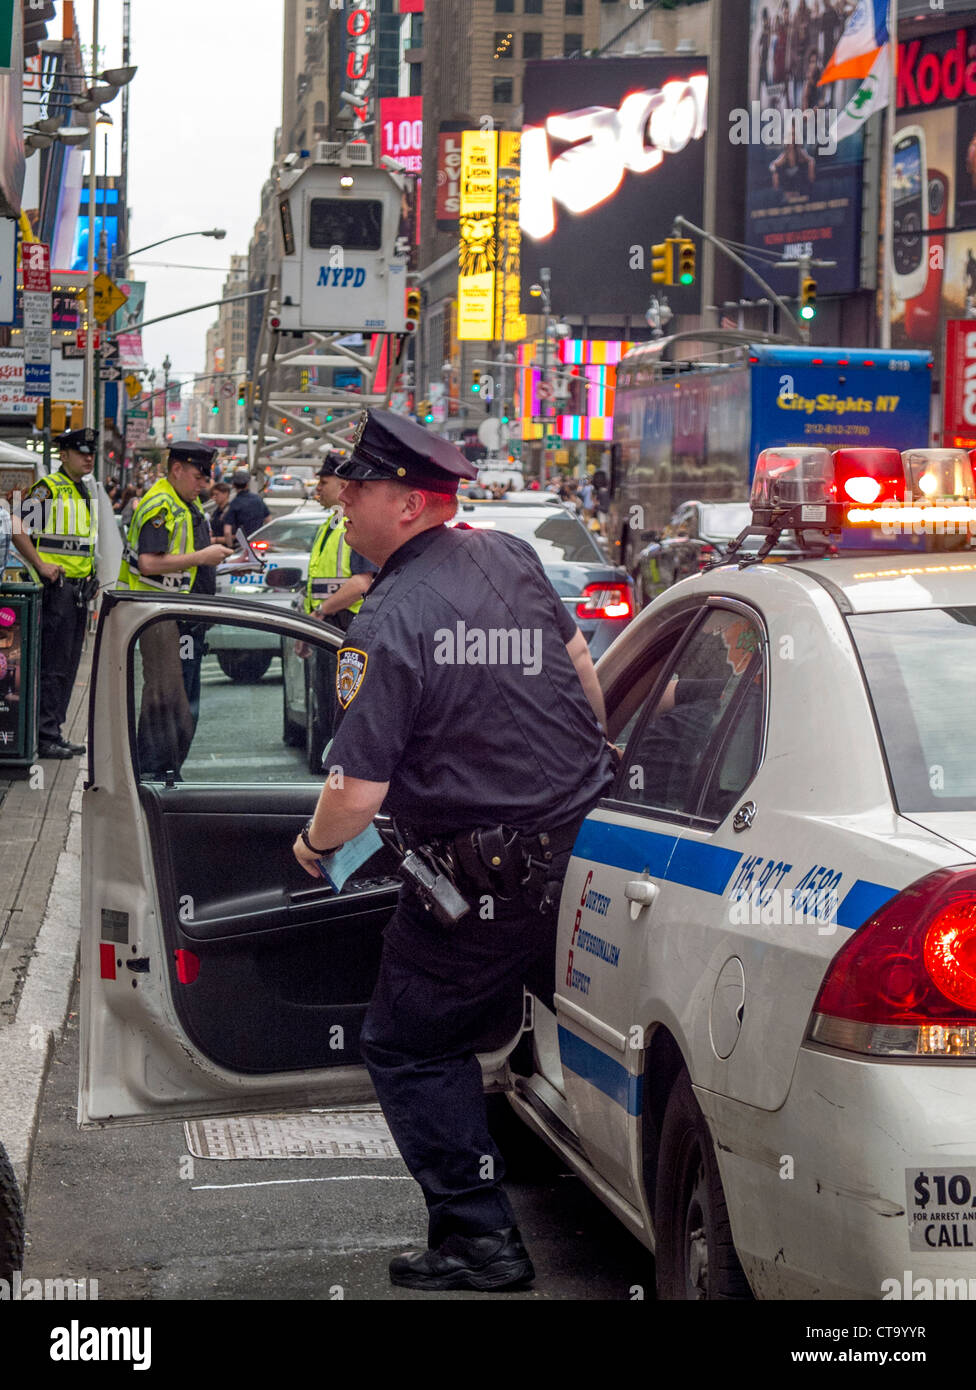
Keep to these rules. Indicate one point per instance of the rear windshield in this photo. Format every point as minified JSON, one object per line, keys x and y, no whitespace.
{"x":919,"y":669}
{"x":557,"y":538}
{"x":290,"y":533}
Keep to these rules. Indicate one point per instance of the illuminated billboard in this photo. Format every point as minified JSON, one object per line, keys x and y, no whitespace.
{"x":478,"y":246}
{"x":612,"y":152}
{"x":589,"y":373}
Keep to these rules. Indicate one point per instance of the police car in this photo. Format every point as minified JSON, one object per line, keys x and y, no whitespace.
{"x":760,"y":1049}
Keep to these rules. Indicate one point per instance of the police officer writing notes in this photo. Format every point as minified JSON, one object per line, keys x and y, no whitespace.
{"x":168,"y":549}
{"x":338,"y":578}
{"x":58,"y":538}
{"x":471,"y":713}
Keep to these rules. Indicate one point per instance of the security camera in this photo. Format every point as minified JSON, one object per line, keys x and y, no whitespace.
{"x":290,"y":160}
{"x":394,"y":165}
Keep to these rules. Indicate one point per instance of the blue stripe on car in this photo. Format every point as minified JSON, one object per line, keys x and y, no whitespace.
{"x":689,"y":862}
{"x":862,"y":901}
{"x":601,"y":1071}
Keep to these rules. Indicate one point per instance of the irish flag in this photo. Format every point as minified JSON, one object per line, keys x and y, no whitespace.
{"x":864,"y":36}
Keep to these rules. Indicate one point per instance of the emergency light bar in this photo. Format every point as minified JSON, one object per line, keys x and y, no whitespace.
{"x":809,"y":489}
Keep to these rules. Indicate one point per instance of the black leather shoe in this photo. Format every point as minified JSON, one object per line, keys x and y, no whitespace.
{"x":53,"y":750}
{"x":496,"y":1260}
{"x":75,"y":749}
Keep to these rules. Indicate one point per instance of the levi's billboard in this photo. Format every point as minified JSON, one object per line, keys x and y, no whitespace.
{"x":612,"y":150}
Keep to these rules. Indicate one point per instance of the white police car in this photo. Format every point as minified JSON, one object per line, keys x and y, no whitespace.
{"x":760,"y":1050}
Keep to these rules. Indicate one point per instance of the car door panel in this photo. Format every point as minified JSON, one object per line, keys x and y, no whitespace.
{"x":217,"y":977}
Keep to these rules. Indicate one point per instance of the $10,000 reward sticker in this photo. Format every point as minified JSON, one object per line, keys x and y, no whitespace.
{"x":941,"y":1206}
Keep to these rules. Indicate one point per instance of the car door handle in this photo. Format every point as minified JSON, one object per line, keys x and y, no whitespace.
{"x":642,"y":891}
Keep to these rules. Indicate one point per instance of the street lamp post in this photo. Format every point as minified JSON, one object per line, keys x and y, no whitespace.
{"x":543,"y":291}
{"x":167,"y":364}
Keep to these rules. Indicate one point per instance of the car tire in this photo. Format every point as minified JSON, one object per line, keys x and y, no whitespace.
{"x":246,"y":668}
{"x":314,"y":743}
{"x":11,"y":1220}
{"x":695,"y":1255}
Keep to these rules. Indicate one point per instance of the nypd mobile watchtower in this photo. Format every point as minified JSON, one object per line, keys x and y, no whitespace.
{"x":344,"y":259}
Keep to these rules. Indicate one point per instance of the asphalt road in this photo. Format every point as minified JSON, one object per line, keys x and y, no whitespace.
{"x":121,"y":1206}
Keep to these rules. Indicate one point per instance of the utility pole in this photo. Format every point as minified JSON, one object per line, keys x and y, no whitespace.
{"x":90,"y":366}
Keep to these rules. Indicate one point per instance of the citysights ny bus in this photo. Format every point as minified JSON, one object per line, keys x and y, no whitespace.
{"x":693,"y":430}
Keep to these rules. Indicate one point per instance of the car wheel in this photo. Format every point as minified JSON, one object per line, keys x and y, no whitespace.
{"x":695,"y":1255}
{"x":11,"y":1220}
{"x":314,"y":743}
{"x":245,"y":667}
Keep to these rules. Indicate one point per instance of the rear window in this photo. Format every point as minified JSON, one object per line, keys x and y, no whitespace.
{"x":290,"y":533}
{"x":919,"y":668}
{"x":353,"y":225}
{"x":556,"y":538}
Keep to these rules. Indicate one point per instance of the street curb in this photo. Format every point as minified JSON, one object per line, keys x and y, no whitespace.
{"x":26,"y":1044}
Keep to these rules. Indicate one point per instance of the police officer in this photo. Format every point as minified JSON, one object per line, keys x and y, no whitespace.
{"x":496,"y":801}
{"x":168,"y":549}
{"x":246,"y":512}
{"x":58,"y":538}
{"x":338,"y":578}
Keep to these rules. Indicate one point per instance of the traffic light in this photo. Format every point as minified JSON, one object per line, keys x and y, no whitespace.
{"x":476,"y":382}
{"x":686,"y":261}
{"x":242,"y":393}
{"x":808,"y":298}
{"x":425,"y":412}
{"x":214,"y":407}
{"x":662,"y":265}
{"x":413,"y":310}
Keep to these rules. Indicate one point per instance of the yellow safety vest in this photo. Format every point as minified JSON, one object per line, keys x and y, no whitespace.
{"x":67,"y":538}
{"x":162,"y":500}
{"x":329,"y":565}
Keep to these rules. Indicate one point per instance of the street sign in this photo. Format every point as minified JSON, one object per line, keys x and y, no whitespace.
{"x":36,"y":306}
{"x":133,"y":386}
{"x":109,"y":349}
{"x":108,"y":297}
{"x":111,"y":371}
{"x":81,"y":340}
{"x":226,"y":388}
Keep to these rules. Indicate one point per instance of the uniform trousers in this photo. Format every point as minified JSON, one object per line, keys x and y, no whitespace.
{"x":443,"y":994}
{"x":63,"y":622}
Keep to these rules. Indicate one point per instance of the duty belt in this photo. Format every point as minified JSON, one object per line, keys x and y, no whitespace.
{"x":497,"y":859}
{"x":66,"y":545}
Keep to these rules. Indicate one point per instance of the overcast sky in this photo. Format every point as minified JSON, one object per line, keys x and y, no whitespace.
{"x":204,"y":107}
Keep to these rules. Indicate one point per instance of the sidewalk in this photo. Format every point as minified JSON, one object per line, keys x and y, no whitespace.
{"x":40,"y":887}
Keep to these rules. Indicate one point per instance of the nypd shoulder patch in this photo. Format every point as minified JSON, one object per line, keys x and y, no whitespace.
{"x":349,"y":675}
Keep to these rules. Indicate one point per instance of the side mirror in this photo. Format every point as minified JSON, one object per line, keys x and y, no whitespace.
{"x":284,"y":578}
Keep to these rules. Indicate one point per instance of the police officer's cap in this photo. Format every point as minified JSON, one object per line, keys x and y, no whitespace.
{"x":330,"y":464}
{"x":390,"y":447}
{"x":191,"y":451}
{"x":82,"y":441}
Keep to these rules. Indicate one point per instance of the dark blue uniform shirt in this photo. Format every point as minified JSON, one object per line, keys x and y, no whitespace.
{"x":246,"y":513}
{"x":455,"y":686}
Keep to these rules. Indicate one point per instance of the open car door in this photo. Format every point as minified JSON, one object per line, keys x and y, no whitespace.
{"x":217,"y":977}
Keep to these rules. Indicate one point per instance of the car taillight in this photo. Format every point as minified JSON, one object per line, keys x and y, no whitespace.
{"x":905,"y":983}
{"x":605,"y":601}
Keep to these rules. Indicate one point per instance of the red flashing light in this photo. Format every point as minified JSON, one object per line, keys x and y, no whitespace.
{"x":260,"y":545}
{"x":868,"y":362}
{"x":818,"y":361}
{"x":605,"y":600}
{"x":868,"y":476}
{"x":843,"y":362}
{"x":753,"y":359}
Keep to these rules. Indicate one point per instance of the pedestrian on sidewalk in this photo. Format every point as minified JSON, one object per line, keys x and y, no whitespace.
{"x":57,"y":537}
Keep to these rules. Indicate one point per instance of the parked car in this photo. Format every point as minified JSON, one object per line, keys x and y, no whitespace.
{"x":243,"y":654}
{"x":698,"y":534}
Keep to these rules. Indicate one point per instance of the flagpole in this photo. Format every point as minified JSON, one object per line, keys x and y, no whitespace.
{"x":888,"y":245}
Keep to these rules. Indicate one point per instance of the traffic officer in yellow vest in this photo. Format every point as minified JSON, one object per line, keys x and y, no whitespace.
{"x":57,"y":536}
{"x":169,"y":550}
{"x":338,"y":580}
